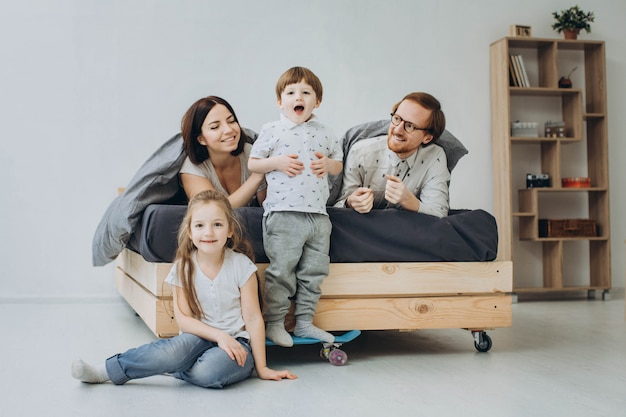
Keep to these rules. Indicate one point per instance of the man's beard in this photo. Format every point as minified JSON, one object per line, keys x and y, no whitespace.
{"x":399,"y":147}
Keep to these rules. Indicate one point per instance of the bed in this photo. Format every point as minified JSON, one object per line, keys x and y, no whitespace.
{"x":390,"y":269}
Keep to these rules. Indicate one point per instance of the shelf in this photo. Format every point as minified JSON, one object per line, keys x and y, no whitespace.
{"x":564,"y":239}
{"x":538,"y":43}
{"x":523,"y":214}
{"x":543,"y":91}
{"x":543,"y":264}
{"x":590,"y":116}
{"x":563,"y":189}
{"x":526,"y":290}
{"x":542,"y":139}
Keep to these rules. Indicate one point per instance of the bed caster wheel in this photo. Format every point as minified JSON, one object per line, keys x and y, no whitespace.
{"x":338,"y":357}
{"x":482,"y":342}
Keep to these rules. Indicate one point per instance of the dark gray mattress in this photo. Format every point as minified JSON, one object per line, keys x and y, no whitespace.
{"x":380,"y":236}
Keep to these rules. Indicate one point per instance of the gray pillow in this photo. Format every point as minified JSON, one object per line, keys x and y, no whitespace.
{"x":155,"y":182}
{"x":453,"y":148}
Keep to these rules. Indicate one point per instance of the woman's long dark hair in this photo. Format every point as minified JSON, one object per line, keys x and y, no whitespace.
{"x":191,"y":128}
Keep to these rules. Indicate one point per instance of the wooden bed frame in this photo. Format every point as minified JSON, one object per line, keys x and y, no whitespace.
{"x":364,"y":296}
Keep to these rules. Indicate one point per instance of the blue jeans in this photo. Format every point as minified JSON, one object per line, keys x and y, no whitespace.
{"x":186,"y":356}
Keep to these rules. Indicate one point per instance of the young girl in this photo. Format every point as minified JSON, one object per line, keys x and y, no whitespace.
{"x":216,"y":304}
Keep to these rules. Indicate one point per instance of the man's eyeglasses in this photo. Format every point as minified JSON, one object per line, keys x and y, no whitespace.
{"x":408,"y":126}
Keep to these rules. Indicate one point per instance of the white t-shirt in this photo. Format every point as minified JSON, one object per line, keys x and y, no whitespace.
{"x":220,"y":298}
{"x":205,"y":169}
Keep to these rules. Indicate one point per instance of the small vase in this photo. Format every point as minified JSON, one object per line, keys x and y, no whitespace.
{"x":571,"y":34}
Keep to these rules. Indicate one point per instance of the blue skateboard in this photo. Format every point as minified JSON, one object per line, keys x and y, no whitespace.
{"x":329,"y":351}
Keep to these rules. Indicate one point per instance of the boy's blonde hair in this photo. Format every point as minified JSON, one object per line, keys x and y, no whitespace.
{"x":184,"y":254}
{"x":296,"y":74}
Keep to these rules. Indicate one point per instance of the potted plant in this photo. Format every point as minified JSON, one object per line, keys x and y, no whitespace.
{"x":572,"y":21}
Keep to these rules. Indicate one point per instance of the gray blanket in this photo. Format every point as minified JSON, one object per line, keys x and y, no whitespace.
{"x":389,"y":235}
{"x":156,"y":182}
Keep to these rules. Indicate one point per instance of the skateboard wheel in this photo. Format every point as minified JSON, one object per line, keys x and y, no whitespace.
{"x":338,"y":357}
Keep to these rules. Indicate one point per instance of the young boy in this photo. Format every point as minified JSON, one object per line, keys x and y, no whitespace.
{"x":295,"y":153}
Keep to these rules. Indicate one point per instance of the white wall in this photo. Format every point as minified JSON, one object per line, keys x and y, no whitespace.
{"x":89,"y":89}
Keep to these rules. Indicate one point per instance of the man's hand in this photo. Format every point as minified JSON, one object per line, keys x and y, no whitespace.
{"x":289,"y":164}
{"x":361,"y":200}
{"x":396,"y":192}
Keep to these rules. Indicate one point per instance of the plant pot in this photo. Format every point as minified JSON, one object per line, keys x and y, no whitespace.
{"x":571,"y":34}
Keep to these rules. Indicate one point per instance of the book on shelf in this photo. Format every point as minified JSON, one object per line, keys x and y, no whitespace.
{"x":524,"y":74}
{"x":513,"y":81}
{"x":518,"y":71}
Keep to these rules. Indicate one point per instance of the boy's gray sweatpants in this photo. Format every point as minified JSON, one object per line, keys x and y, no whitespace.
{"x":297,"y":245}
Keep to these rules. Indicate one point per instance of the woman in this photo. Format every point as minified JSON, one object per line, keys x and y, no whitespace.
{"x":217,"y":154}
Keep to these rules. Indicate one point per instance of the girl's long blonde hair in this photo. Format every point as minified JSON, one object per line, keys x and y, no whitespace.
{"x":184,"y":254}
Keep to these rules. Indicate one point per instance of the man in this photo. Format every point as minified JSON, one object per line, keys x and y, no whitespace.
{"x":405,"y":171}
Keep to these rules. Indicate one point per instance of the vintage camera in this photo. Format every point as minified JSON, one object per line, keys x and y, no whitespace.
{"x":537,"y":180}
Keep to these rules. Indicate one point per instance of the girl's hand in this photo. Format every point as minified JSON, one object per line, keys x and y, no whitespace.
{"x":233,"y":349}
{"x":270,"y":374}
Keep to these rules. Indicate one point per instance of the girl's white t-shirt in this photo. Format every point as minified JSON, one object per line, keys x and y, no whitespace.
{"x":220,"y":298}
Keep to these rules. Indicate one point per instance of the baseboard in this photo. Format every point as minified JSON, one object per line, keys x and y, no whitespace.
{"x":77,"y":299}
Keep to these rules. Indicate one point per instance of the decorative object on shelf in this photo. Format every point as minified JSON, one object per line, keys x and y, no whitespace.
{"x":554,"y":129}
{"x":519,"y":31}
{"x":566,"y":82}
{"x":576,"y":182}
{"x":538,"y":181}
{"x":572,"y":21}
{"x":567,"y":228}
{"x":524,"y":129}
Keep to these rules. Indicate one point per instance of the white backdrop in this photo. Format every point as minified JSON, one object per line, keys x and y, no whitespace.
{"x":89,"y":89}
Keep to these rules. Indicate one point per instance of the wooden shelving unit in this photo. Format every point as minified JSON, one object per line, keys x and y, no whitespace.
{"x":518,"y":209}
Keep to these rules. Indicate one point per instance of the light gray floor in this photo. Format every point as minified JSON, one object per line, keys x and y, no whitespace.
{"x":560,"y":358}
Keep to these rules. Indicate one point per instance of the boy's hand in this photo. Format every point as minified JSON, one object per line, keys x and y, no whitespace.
{"x":289,"y":164}
{"x":320,"y":166}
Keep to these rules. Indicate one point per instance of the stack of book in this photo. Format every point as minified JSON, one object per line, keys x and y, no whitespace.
{"x":517,"y":72}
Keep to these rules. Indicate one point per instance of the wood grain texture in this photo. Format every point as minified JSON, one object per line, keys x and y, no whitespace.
{"x":364,"y":296}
